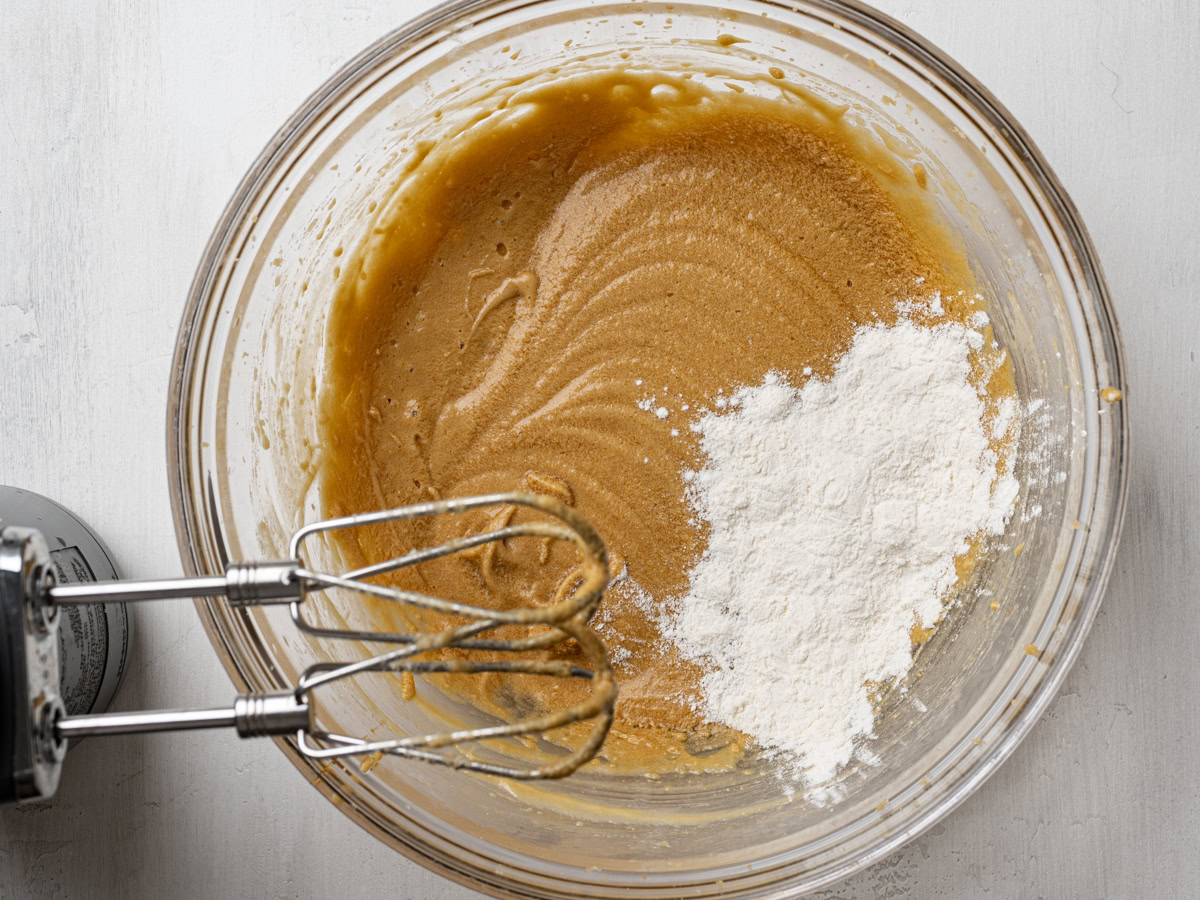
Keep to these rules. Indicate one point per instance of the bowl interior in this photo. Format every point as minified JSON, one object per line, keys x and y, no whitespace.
{"x":247,"y":451}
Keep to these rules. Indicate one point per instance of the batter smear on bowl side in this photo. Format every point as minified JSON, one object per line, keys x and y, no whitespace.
{"x":656,"y":298}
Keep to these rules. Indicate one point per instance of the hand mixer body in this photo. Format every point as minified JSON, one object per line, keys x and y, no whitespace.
{"x":30,"y":753}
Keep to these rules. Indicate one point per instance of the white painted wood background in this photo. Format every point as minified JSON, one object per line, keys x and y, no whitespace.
{"x":124,"y":127}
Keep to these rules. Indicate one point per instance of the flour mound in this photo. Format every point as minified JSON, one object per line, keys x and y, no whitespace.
{"x":835,"y":513}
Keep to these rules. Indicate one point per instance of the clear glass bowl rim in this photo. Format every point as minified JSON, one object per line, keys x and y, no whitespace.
{"x":1105,"y":346}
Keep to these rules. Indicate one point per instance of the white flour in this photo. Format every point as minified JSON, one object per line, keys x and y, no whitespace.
{"x":835,"y":513}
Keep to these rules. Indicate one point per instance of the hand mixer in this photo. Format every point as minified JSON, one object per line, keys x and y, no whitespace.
{"x":35,"y":729}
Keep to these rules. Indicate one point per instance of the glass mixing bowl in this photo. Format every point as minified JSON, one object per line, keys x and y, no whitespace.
{"x":243,"y":450}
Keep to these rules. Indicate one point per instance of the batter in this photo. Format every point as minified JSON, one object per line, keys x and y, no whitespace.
{"x":551,"y":294}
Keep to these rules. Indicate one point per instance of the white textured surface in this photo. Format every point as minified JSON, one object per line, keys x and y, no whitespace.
{"x":124,"y":126}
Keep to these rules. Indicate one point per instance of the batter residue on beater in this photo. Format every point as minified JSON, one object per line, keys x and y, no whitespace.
{"x":548,"y":296}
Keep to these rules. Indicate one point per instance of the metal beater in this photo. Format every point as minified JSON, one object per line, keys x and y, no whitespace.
{"x":34,"y":723}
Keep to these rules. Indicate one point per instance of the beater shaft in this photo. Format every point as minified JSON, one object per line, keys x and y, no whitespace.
{"x":253,"y":715}
{"x":243,"y":584}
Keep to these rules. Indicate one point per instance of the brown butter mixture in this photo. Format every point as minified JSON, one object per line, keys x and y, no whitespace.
{"x":606,"y":239}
